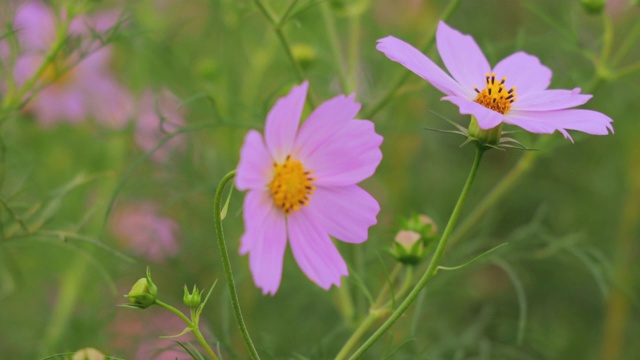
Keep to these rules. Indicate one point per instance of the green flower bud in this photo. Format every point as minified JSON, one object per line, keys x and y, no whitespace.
{"x":88,"y":354}
{"x":489,"y":136}
{"x":593,"y":6}
{"x":304,"y":54}
{"x":408,"y":247}
{"x":143,"y":293}
{"x":349,"y":7}
{"x":193,"y":299}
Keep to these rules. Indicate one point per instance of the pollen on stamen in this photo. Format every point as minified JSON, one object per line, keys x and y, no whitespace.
{"x":291,"y":186}
{"x":494,"y":96}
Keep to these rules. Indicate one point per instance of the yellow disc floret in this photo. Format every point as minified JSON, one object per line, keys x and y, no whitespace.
{"x":291,"y":186}
{"x":495,"y":96}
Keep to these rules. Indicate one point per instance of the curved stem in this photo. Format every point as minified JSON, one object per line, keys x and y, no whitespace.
{"x":453,"y":5}
{"x":431,"y":269}
{"x":191,"y":324}
{"x":334,"y":44}
{"x":224,"y":255}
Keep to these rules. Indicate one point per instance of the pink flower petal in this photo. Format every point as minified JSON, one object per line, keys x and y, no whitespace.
{"x":525,"y":72}
{"x":314,"y":251}
{"x":346,"y":212}
{"x":282,"y":122}
{"x":323,"y":123}
{"x":348,"y":156}
{"x":550,"y":100}
{"x":486,"y":117}
{"x":255,"y":169}
{"x":265,"y":239}
{"x":35,"y":25}
{"x":463,"y":58}
{"x":546,"y":122}
{"x":411,"y":58}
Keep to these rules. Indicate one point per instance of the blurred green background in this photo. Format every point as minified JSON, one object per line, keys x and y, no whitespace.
{"x":566,"y":286}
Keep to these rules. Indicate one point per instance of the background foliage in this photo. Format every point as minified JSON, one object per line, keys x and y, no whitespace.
{"x":566,"y":286}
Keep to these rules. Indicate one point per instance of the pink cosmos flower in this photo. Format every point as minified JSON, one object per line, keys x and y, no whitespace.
{"x":141,"y":229}
{"x":151,"y":128}
{"x":490,"y":94}
{"x":88,"y":89}
{"x":302,"y":188}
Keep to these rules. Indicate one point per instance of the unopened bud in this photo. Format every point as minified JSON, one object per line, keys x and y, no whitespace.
{"x":593,"y":6}
{"x":193,"y":299}
{"x":143,"y":293}
{"x":349,"y":7}
{"x":88,"y":354}
{"x":304,"y":54}
{"x":408,"y":247}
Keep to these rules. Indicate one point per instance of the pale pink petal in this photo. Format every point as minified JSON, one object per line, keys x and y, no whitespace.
{"x":546,"y":122}
{"x":282,"y":122}
{"x":414,"y":60}
{"x":26,"y":66}
{"x":348,"y":156}
{"x":323,"y":123}
{"x":265,"y":239}
{"x":463,"y":58}
{"x":523,"y":71}
{"x":486,"y":117}
{"x":255,"y":169}
{"x":111,"y":104}
{"x":550,"y":100}
{"x":35,"y":25}
{"x":58,"y":104}
{"x":314,"y":251}
{"x":346,"y":212}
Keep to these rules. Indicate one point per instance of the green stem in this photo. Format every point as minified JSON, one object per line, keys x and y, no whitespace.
{"x":607,"y":41}
{"x":627,"y":45}
{"x":277,"y":27}
{"x":377,"y":106}
{"x":11,"y":101}
{"x":374,"y":314}
{"x":224,"y":255}
{"x":428,"y":274}
{"x":354,"y":52}
{"x":334,"y":43}
{"x":626,"y":71}
{"x":179,"y":313}
{"x":191,"y":324}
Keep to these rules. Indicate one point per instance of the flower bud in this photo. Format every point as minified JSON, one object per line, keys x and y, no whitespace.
{"x":489,"y":136}
{"x":193,"y":299}
{"x":408,"y":247}
{"x":593,"y":6}
{"x":143,"y":293}
{"x":414,"y":239}
{"x":304,"y":54}
{"x":88,"y":354}
{"x":349,"y":7}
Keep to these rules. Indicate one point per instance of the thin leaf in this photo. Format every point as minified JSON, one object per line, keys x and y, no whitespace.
{"x":183,"y":332}
{"x":225,"y":207}
{"x":189,"y":351}
{"x":361,"y":285}
{"x":206,"y":298}
{"x":486,"y":253}
{"x":520,"y":294}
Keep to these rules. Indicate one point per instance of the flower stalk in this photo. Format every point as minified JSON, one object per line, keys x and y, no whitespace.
{"x":433,"y":265}
{"x":224,"y":255}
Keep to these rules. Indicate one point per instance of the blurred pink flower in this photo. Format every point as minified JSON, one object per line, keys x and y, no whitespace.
{"x":138,"y":337}
{"x":88,"y":89}
{"x":482,"y":92}
{"x":302,"y":187}
{"x":159,"y":116}
{"x":144,"y":232}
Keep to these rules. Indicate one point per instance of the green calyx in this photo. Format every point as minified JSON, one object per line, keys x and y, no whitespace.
{"x":485,"y":137}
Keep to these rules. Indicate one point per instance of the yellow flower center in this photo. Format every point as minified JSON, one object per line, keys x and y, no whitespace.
{"x":291,"y":186}
{"x":495,"y":96}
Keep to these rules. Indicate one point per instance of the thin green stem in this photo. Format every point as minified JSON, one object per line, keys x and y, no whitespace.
{"x":626,"y":71}
{"x":177,"y":312}
{"x":334,"y":44}
{"x":277,"y":27}
{"x":374,"y":314}
{"x":433,"y":265}
{"x":607,"y":42}
{"x":224,"y":255}
{"x":354,"y":52}
{"x":61,"y":38}
{"x":627,"y":44}
{"x":377,"y":106}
